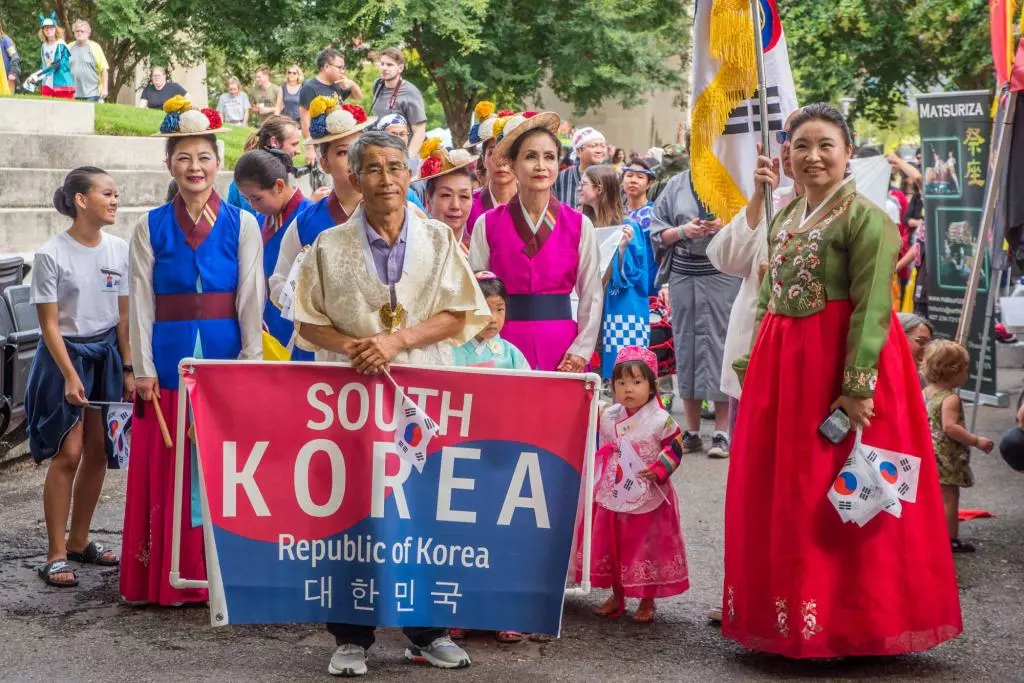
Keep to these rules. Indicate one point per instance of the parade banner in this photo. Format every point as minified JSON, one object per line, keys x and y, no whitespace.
{"x":311,"y":515}
{"x":955,"y":131}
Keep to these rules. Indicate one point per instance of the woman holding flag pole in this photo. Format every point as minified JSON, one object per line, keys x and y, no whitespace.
{"x":197,"y":289}
{"x":800,"y":582}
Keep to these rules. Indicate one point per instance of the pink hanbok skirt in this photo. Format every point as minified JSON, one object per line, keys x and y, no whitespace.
{"x":543,"y":342}
{"x":149,"y":511}
{"x":643,"y":554}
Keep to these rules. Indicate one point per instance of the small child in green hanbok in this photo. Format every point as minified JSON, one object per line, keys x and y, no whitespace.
{"x":488,"y":349}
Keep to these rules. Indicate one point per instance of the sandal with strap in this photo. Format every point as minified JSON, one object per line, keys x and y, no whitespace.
{"x":509,"y":636}
{"x":95,"y":553}
{"x":50,"y":570}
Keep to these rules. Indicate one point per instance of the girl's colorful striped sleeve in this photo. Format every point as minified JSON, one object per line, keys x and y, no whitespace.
{"x":671,"y":450}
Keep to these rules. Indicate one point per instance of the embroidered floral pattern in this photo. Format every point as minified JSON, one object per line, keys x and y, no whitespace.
{"x":797,"y":268}
{"x":860,"y":382}
{"x":781,"y":618}
{"x":730,"y":604}
{"x":809,"y":612}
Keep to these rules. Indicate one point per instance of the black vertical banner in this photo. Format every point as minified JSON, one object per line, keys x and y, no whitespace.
{"x":955,"y":132}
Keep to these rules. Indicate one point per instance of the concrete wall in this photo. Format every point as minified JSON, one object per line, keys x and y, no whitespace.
{"x":656,"y":122}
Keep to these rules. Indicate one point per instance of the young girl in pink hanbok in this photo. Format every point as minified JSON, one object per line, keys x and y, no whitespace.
{"x":637,"y":546}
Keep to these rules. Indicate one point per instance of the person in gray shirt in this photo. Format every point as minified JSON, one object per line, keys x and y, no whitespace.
{"x":89,"y":67}
{"x":394,"y":94}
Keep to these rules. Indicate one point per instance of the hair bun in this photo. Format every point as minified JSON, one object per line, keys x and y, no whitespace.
{"x":283,"y":157}
{"x":61,"y":203}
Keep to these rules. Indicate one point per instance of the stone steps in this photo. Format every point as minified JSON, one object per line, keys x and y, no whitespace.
{"x":47,"y":116}
{"x":47,"y":150}
{"x":34,"y":187}
{"x":24,"y":230}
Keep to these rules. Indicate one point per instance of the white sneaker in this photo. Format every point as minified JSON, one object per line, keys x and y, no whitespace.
{"x":348,"y":660}
{"x":442,"y":653}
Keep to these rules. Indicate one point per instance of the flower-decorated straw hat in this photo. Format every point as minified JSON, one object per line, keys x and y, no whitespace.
{"x":329,"y":120}
{"x":181,"y":120}
{"x":436,"y":161}
{"x":511,"y":129}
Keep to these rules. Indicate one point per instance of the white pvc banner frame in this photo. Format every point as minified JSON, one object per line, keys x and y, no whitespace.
{"x":218,"y":609}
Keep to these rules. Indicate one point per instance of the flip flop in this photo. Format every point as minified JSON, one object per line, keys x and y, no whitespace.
{"x":509,"y":636}
{"x":94,"y":554}
{"x":51,"y":569}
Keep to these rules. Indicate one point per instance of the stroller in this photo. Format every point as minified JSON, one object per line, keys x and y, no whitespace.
{"x":663,"y":346}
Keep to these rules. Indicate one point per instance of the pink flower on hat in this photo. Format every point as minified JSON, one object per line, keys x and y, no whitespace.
{"x":640,"y":353}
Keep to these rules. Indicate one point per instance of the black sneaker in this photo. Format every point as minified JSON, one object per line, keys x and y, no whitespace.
{"x":959,"y":546}
{"x":719,"y":447}
{"x":692,"y":443}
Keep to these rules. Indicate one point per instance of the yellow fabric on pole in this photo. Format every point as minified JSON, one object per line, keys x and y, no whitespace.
{"x":5,"y":86}
{"x":273,"y":349}
{"x":908,"y":293}
{"x":732,"y":45}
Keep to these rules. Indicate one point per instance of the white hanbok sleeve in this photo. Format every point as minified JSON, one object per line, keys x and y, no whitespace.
{"x":590,"y":291}
{"x":736,"y":246}
{"x":290,"y":248}
{"x":251,"y":292}
{"x":479,"y":249}
{"x":141,"y":301}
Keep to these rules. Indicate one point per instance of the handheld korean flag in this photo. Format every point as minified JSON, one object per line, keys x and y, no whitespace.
{"x":287,"y":296}
{"x":414,"y":432}
{"x":898,"y":471}
{"x":629,"y":487}
{"x":854,"y":493}
{"x":118,"y":419}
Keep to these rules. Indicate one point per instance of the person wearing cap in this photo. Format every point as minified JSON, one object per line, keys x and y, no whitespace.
{"x":387,"y":287}
{"x":543,"y":250}
{"x":591,"y":149}
{"x":333,"y":130}
{"x":197,"y":290}
{"x":54,"y":60}
{"x":702,"y":298}
{"x":449,"y":187}
{"x":500,"y":184}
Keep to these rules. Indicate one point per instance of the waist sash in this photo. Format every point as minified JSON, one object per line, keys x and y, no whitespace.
{"x":531,"y":307}
{"x":208,"y":306}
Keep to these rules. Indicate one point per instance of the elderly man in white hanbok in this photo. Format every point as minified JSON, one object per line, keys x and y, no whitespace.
{"x":387,"y":286}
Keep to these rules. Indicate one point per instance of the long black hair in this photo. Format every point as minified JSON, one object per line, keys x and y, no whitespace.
{"x":79,"y":181}
{"x":264,"y":167}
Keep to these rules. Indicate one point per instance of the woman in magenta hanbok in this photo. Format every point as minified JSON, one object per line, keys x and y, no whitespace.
{"x":542,"y":250}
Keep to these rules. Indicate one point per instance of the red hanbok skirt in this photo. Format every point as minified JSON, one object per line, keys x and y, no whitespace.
{"x":798,"y":581}
{"x":149,"y":514}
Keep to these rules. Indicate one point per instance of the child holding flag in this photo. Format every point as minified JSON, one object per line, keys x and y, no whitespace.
{"x":945,"y":367}
{"x":637,"y":546}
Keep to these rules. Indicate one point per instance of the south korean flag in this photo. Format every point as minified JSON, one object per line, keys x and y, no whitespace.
{"x":898,"y":471}
{"x":629,"y":487}
{"x":414,"y":432}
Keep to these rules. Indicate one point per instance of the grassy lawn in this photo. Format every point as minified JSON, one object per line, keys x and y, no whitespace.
{"x":120,"y":119}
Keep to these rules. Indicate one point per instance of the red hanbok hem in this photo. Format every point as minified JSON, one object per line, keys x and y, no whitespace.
{"x":798,"y":581}
{"x":148,"y":515}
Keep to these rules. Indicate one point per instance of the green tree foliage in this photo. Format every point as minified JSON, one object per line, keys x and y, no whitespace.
{"x":879,"y":51}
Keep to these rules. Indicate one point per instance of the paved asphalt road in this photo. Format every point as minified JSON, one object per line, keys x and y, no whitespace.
{"x":85,"y":635}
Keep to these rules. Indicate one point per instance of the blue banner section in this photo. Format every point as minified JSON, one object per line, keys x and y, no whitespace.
{"x":480,"y":540}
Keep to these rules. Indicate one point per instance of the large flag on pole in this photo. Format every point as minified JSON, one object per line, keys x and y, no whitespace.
{"x":725,"y":124}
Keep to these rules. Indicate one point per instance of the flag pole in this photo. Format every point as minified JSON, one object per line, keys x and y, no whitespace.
{"x":755,"y":16}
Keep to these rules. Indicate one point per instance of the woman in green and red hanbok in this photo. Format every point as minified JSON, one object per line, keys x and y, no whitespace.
{"x":798,"y":581}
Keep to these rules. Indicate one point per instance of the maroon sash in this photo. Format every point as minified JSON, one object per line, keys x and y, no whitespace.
{"x":337,"y":211}
{"x":271,"y":224}
{"x":533,"y":242}
{"x":196,"y":231}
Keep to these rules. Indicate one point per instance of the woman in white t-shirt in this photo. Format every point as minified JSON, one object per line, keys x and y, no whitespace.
{"x":80,"y":289}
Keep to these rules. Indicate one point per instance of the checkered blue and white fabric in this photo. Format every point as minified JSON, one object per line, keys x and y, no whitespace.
{"x":620,"y":331}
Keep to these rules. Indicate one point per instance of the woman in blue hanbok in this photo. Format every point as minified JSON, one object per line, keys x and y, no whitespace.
{"x":628,"y":276}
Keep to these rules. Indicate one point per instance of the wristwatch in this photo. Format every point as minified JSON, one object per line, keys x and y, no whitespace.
{"x":128,"y":368}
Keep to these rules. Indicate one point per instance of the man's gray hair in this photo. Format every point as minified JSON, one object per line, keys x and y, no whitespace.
{"x":374,"y":138}
{"x":81,"y":22}
{"x":912,"y":321}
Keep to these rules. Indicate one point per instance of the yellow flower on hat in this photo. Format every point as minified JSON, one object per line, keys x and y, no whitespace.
{"x":321,"y":105}
{"x":177,"y":104}
{"x":430,"y":146}
{"x":483,"y":109}
{"x":499,"y":126}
